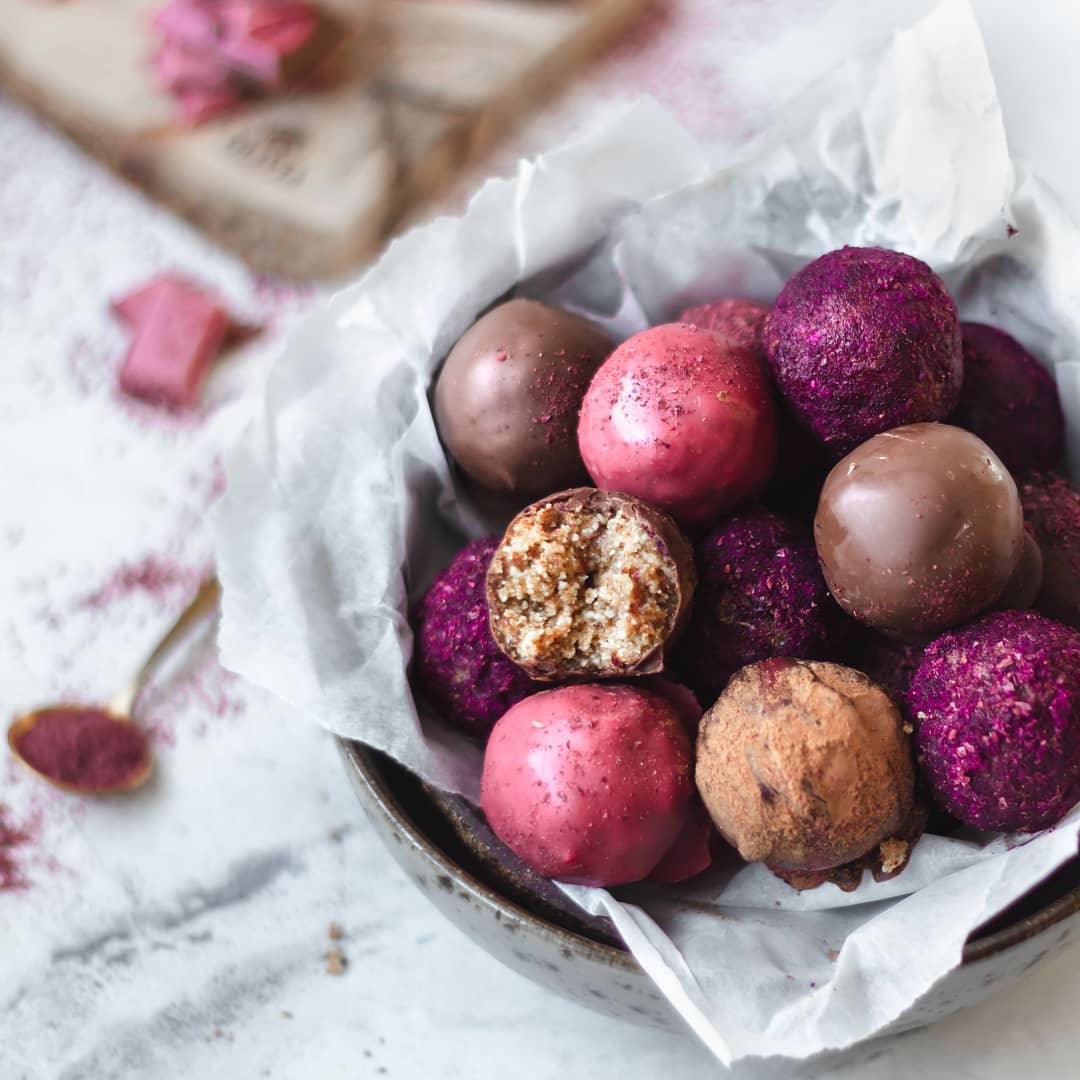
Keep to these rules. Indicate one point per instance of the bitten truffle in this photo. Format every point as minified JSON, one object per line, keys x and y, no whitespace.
{"x":589,"y":584}
{"x":1052,"y":512}
{"x":463,"y":671}
{"x":760,"y":594}
{"x":997,"y":714}
{"x":589,"y":784}
{"x":804,"y":765}
{"x":1010,"y":401}
{"x":508,"y":396}
{"x":863,"y":340}
{"x":918,"y":529}
{"x":683,"y":418}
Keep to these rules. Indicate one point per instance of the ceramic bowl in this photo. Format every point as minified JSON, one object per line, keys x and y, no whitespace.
{"x":528,"y":925}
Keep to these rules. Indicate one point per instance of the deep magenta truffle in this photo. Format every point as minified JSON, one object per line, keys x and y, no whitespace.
{"x":682,"y":418}
{"x":740,"y":321}
{"x":997,"y":713}
{"x":760,"y":594}
{"x":1010,"y":400}
{"x":891,"y":664}
{"x":459,"y":665}
{"x":918,"y":529}
{"x":862,"y":340}
{"x":1052,"y":513}
{"x":589,"y":784}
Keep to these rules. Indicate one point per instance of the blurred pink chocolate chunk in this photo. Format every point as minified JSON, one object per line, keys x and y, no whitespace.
{"x":133,"y":308}
{"x":191,"y":22}
{"x":181,"y":68}
{"x":179,"y":329}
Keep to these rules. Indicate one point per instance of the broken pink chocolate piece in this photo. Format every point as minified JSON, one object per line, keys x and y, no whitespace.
{"x":198,"y":104}
{"x":133,"y":307}
{"x":191,"y":22}
{"x":240,"y":18}
{"x":180,"y":330}
{"x":277,"y":54}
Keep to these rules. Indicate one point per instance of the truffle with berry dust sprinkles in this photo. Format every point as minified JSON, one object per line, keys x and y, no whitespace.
{"x":89,"y":750}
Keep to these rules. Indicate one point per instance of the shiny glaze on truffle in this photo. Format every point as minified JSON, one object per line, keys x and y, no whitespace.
{"x":918,"y":529}
{"x":508,"y":396}
{"x":862,"y":340}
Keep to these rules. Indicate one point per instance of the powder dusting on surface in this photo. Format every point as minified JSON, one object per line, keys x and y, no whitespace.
{"x":11,"y":840}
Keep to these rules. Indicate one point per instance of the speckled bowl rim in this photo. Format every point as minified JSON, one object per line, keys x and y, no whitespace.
{"x":359,"y":757}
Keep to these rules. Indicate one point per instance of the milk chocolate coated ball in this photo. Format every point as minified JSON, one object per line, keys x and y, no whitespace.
{"x":919,"y":529}
{"x":508,"y":397}
{"x":804,"y":765}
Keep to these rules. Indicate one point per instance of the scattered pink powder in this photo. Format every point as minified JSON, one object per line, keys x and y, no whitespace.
{"x":11,"y":839}
{"x":153,"y":575}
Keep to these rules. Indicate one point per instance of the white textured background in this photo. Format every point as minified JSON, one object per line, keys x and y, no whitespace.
{"x":183,"y":934}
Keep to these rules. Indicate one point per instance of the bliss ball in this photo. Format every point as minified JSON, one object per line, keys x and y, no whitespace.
{"x":590,"y":584}
{"x":862,"y":340}
{"x":682,"y":418}
{"x":463,"y":671}
{"x":804,"y":765}
{"x":1052,"y":513}
{"x":919,"y":529}
{"x":508,"y":396}
{"x":997,"y":713}
{"x":590,"y":784}
{"x":891,"y":664}
{"x":1010,"y":400}
{"x":740,"y":321}
{"x":760,"y":594}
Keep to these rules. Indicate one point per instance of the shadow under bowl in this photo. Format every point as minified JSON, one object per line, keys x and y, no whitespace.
{"x":527,"y":924}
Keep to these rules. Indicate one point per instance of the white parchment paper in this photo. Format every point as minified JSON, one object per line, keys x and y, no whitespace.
{"x":341,"y":506}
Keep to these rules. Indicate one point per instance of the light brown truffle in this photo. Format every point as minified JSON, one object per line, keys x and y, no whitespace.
{"x":589,"y":584}
{"x":804,"y":765}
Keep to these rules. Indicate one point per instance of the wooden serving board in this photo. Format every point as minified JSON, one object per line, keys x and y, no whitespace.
{"x":311,"y":183}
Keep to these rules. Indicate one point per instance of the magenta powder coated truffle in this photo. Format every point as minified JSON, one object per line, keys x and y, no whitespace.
{"x":891,"y":664}
{"x":682,"y":418}
{"x":589,"y":784}
{"x":740,"y":321}
{"x":918,"y":529}
{"x":760,"y":594}
{"x":862,"y":340}
{"x":997,"y":713}
{"x":1010,"y":400}
{"x":1052,"y":513}
{"x":462,"y":669}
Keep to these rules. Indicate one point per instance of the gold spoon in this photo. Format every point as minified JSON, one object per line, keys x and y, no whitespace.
{"x":120,"y":708}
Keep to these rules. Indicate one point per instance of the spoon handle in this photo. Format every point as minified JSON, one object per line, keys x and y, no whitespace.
{"x":205,"y":600}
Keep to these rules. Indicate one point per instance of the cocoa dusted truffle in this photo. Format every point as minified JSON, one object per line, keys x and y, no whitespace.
{"x":591,"y":784}
{"x":683,"y":418}
{"x":1052,"y":512}
{"x":760,"y":594}
{"x":589,"y":584}
{"x":1010,"y":400}
{"x":997,"y":715}
{"x":459,"y":665}
{"x":863,"y":340}
{"x":918,"y":529}
{"x":508,"y":396}
{"x":805,"y":765}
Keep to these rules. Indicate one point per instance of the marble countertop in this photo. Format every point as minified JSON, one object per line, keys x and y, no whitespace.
{"x":187,"y":933}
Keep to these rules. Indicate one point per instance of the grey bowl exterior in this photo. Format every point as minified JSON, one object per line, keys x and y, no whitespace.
{"x":608,"y":979}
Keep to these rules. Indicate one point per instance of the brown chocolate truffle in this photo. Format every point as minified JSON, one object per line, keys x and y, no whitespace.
{"x":918,"y":529}
{"x":508,"y":397}
{"x":589,"y":584}
{"x":804,"y":765}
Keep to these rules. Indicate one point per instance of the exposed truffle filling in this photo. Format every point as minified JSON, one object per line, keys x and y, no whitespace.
{"x":588,"y":590}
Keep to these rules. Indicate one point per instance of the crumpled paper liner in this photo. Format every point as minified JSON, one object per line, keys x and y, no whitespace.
{"x":341,"y":505}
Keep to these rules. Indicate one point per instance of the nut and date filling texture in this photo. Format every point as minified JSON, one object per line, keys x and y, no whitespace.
{"x":588,"y":589}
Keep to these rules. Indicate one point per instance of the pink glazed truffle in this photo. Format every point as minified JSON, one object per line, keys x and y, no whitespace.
{"x":997,"y":712}
{"x":740,"y":321}
{"x":862,"y":340}
{"x":1010,"y":401}
{"x":589,"y":784}
{"x":681,"y":418}
{"x":466,"y":676}
{"x":761,"y":594}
